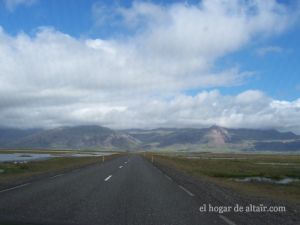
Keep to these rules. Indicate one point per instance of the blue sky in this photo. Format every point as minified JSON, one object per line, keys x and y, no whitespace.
{"x":278,"y":73}
{"x":258,"y":58}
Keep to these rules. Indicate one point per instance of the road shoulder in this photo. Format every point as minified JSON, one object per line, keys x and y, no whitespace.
{"x":207,"y":192}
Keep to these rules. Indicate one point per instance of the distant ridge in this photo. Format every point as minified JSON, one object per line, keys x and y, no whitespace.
{"x":79,"y":137}
{"x":184,"y":139}
{"x":218,"y":138}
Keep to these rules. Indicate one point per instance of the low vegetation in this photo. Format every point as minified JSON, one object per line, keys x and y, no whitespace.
{"x":14,"y":172}
{"x":224,"y":169}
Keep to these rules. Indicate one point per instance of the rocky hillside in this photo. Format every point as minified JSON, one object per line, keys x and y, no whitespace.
{"x":97,"y":137}
{"x":218,"y":137}
{"x":79,"y":137}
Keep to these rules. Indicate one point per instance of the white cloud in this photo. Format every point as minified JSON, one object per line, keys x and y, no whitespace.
{"x":53,"y":79}
{"x":204,"y":109}
{"x":11,"y":5}
{"x":250,"y":96}
{"x":208,"y":108}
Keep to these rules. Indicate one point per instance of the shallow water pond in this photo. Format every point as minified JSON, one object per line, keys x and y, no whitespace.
{"x":17,"y":157}
{"x":21,"y":157}
{"x":285,"y":180}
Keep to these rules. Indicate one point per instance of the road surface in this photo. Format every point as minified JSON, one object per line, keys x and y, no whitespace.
{"x":127,"y":190}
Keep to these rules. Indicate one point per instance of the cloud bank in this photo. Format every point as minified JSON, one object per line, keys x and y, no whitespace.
{"x":11,"y":5}
{"x":52,"y":79}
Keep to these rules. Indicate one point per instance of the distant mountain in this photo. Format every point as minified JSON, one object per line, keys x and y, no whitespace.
{"x":277,"y":146}
{"x":79,"y":137}
{"x":217,"y":138}
{"x":214,"y":138}
{"x":255,"y":134}
{"x":9,"y":135}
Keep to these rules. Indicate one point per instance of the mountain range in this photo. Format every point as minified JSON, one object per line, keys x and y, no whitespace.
{"x":214,"y":138}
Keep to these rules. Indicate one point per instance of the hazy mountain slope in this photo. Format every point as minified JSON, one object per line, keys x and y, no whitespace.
{"x":217,"y":137}
{"x":278,"y":146}
{"x":213,"y":135}
{"x":148,"y":136}
{"x":202,"y":139}
{"x":79,"y":137}
{"x":256,"y":134}
{"x":10,"y":135}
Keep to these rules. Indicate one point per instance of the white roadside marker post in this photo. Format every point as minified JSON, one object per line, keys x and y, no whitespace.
{"x":152,"y":159}
{"x":103,"y":158}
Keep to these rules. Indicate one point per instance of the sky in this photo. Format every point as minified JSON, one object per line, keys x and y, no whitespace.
{"x":147,"y":64}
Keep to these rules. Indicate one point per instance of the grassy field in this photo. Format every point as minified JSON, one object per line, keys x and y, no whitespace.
{"x":13,"y":172}
{"x":223,"y":169}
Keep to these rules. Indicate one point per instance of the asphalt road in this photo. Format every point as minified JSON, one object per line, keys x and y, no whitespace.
{"x":127,"y":190}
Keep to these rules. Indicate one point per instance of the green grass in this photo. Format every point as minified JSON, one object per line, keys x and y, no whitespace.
{"x":13,"y":172}
{"x":223,"y":171}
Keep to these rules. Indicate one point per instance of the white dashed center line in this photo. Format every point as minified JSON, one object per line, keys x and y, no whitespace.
{"x":58,"y":175}
{"x":186,"y":190}
{"x":107,"y":178}
{"x":228,"y":221}
{"x":19,"y":186}
{"x":169,"y":178}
